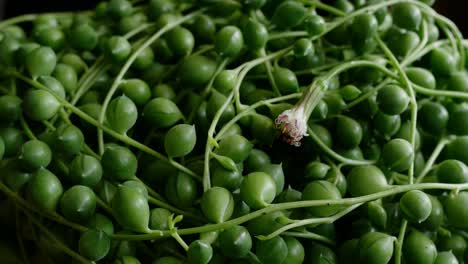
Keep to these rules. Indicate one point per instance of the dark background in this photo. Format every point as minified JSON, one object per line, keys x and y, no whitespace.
{"x":454,"y":9}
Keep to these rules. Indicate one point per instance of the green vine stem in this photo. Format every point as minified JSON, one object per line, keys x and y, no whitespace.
{"x":392,"y":190}
{"x":399,"y":241}
{"x":270,"y":73}
{"x":310,"y":235}
{"x":290,"y":34}
{"x":173,"y":230}
{"x":306,"y":222}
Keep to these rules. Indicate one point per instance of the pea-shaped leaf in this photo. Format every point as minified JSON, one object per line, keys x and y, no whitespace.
{"x":180,"y":140}
{"x":363,"y":180}
{"x":446,"y":257}
{"x":422,"y":77}
{"x":196,"y":70}
{"x":225,"y":173}
{"x":377,"y":214}
{"x":83,"y":37}
{"x":350,"y":92}
{"x":181,"y":41}
{"x":314,"y":24}
{"x":181,"y":190}
{"x":258,"y":190}
{"x":349,"y":132}
{"x":235,"y":241}
{"x":274,"y":250}
{"x":229,"y":41}
{"x":415,"y":206}
{"x":161,"y":112}
{"x":10,"y":108}
{"x":69,"y":139}
{"x":321,"y":190}
{"x":235,"y":147}
{"x":131,"y":210}
{"x":137,"y":90}
{"x":159,"y":219}
{"x":199,"y":252}
{"x":85,"y":170}
{"x":263,"y":129}
{"x":321,"y":254}
{"x":217,"y":204}
{"x":276,"y":172}
{"x":41,"y":61}
{"x":8,"y":49}
{"x":303,"y":47}
{"x":407,"y":16}
{"x":452,"y":171}
{"x":456,"y":209}
{"x":34,"y":155}
{"x":375,"y":248}
{"x":53,"y":84}
{"x":255,"y":35}
{"x":289,"y":195}
{"x":40,"y":105}
{"x":121,"y":114}
{"x":398,"y":155}
{"x":286,"y":80}
{"x":117,"y":49}
{"x":226,"y":162}
{"x":392,"y":100}
{"x":78,"y":203}
{"x":265,"y":224}
{"x":138,"y":186}
{"x":94,"y":244}
{"x":437,"y":216}
{"x":418,"y":248}
{"x":67,"y":77}
{"x":119,"y":162}
{"x":45,"y":190}
{"x":289,"y":14}
{"x":256,"y":160}
{"x":296,"y":250}
{"x":336,"y":177}
{"x":316,"y":170}
{"x":101,"y":222}
{"x":225,"y":81}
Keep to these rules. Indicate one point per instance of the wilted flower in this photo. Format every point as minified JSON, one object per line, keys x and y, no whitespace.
{"x":293,"y":125}
{"x":293,"y":122}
